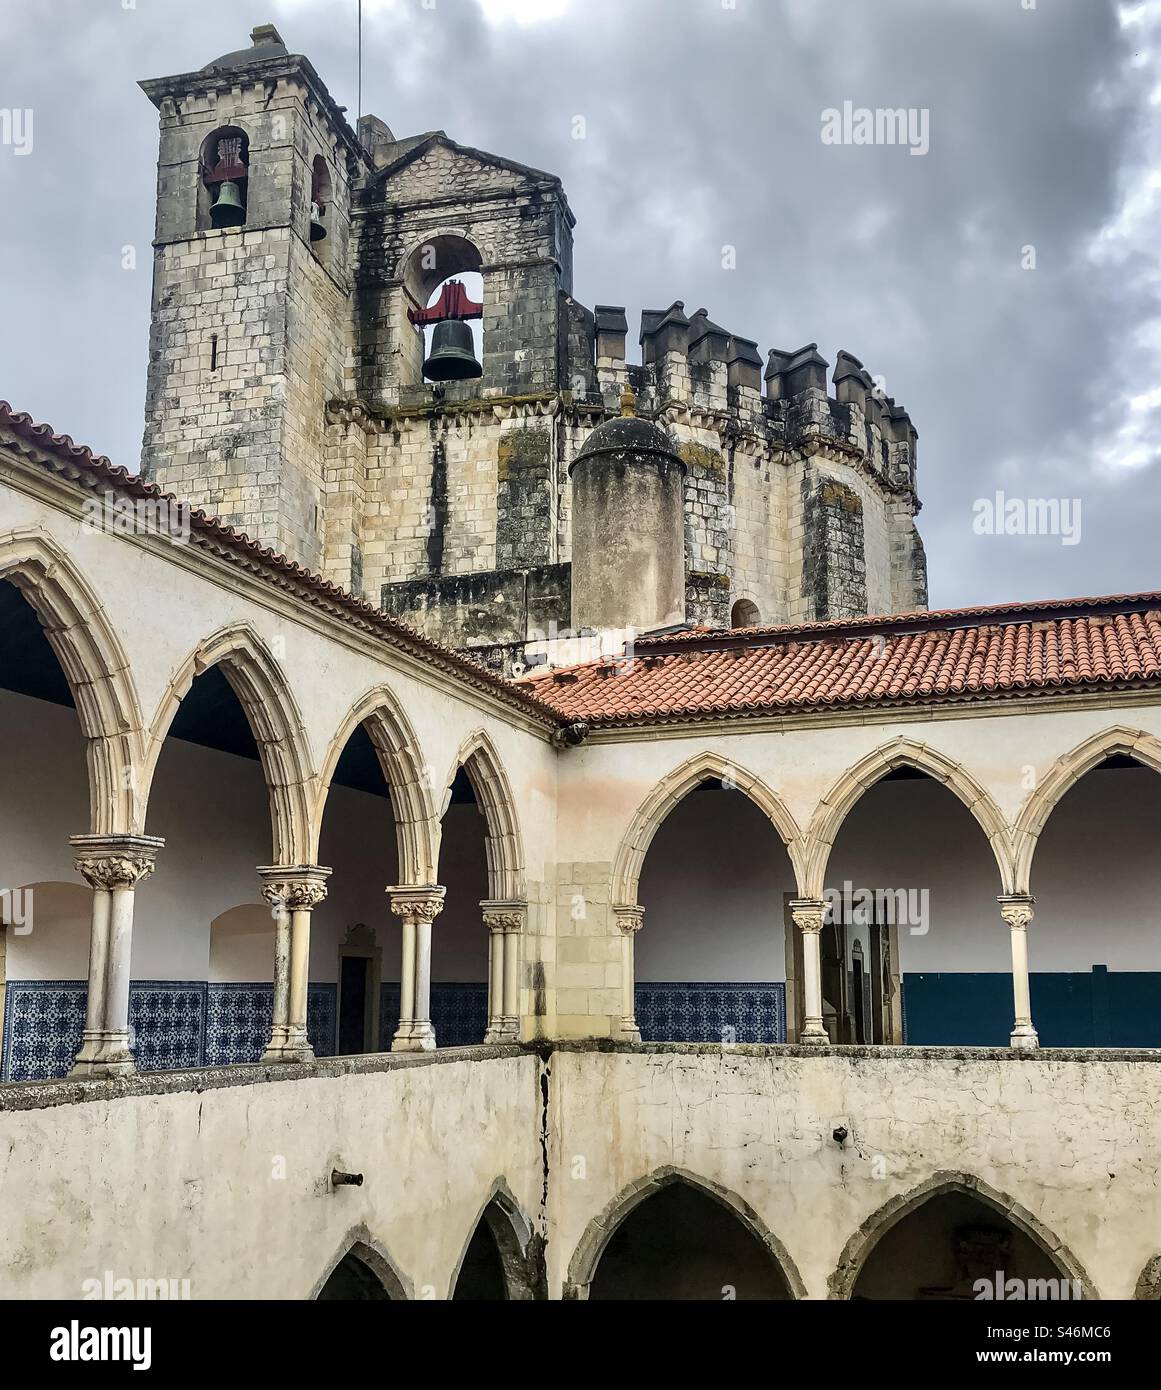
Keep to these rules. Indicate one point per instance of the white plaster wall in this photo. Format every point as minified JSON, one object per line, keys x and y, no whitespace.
{"x":147,"y":1193}
{"x":230,"y":1187}
{"x":1075,"y":1142}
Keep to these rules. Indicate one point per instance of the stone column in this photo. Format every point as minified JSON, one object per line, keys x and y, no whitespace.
{"x":505,"y":923}
{"x":112,"y":865}
{"x":1017,"y":910}
{"x":416,"y":908}
{"x":808,"y":915}
{"x":629,"y":919}
{"x":293,"y":891}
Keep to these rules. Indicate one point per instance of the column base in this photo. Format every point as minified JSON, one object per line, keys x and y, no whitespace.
{"x":104,"y":1054}
{"x":814,"y":1035}
{"x":286,"y":1053}
{"x":629,"y":1031}
{"x":505,"y":1030}
{"x":416,"y":1036}
{"x":1024,"y":1037}
{"x":289,"y":1045}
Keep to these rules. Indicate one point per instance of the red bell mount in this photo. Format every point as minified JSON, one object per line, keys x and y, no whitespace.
{"x":453,"y":303}
{"x":231,"y":166}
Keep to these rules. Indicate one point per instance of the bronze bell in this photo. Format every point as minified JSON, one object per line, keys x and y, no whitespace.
{"x":317,"y":227}
{"x":453,"y":354}
{"x":227,"y":210}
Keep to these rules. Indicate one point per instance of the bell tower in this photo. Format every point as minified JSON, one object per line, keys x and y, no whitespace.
{"x":250,"y":329}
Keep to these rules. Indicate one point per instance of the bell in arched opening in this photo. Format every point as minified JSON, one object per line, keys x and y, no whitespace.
{"x":228,"y":209}
{"x":453,"y":356}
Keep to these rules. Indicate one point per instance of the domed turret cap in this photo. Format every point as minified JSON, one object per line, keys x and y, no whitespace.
{"x":627,"y":434}
{"x":267,"y":43}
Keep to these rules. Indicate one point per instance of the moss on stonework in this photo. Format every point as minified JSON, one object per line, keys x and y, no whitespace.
{"x":698,"y":456}
{"x":527,"y":447}
{"x":836,"y":494}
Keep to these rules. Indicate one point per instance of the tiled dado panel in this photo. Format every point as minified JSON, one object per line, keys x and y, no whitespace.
{"x":459,"y":1014}
{"x":712,"y":1012}
{"x":174,"y":1024}
{"x":238,"y":1019}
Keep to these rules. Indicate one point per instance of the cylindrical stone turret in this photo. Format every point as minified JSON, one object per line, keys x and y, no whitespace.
{"x":628,"y":527}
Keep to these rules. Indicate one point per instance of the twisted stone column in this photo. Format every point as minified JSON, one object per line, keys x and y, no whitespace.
{"x":630,"y":918}
{"x":293,"y":891}
{"x":505,"y":923}
{"x":1017,"y":910}
{"x":808,"y":915}
{"x":416,"y":908}
{"x":112,"y":865}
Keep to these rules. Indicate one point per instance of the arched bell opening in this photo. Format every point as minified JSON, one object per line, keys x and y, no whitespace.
{"x":442,"y":339}
{"x":224,"y":179}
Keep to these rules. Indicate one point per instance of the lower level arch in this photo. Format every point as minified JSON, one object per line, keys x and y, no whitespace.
{"x":603,"y":1229}
{"x":860,"y":1247}
{"x":362,"y":1270}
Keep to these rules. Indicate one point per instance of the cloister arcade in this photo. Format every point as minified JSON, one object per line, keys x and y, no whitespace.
{"x":906,"y":852}
{"x":243,"y":825}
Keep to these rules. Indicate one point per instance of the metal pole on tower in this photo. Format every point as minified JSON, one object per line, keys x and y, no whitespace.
{"x":359,"y":96}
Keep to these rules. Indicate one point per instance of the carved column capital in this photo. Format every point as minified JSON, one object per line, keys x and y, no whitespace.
{"x":808,"y":914}
{"x":106,"y":862}
{"x":1017,"y":909}
{"x":294,"y":887}
{"x":503,"y":916}
{"x":630,"y":918}
{"x":417,"y":904}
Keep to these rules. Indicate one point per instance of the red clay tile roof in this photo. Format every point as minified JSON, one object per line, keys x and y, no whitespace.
{"x":92,"y":470}
{"x":957,"y":656}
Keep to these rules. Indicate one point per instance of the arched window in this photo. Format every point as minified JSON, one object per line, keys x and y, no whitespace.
{"x":745,"y":614}
{"x":224,"y":170}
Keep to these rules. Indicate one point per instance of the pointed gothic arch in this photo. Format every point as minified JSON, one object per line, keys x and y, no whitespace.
{"x":674,"y":787}
{"x":406,"y":773}
{"x":275,"y":722}
{"x":1065,"y":772}
{"x":493,"y":792}
{"x":836,"y":805}
{"x":521,"y":1256}
{"x":599,"y":1232}
{"x":859,"y":1247}
{"x":96,"y":668}
{"x":360,"y":1246}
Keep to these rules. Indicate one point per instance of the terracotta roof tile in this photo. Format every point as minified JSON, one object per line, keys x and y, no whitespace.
{"x":918,"y":658}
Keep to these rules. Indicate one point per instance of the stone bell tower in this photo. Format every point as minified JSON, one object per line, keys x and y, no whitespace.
{"x":250,"y":331}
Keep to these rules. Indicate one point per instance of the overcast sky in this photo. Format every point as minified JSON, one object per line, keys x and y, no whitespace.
{"x":703,"y":130}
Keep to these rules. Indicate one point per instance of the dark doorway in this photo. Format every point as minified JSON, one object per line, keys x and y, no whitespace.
{"x":683,"y":1244}
{"x":353,"y":986}
{"x":352,"y":1282}
{"x":482,"y":1272}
